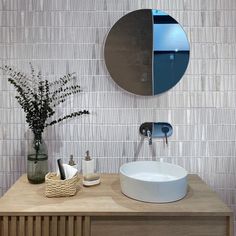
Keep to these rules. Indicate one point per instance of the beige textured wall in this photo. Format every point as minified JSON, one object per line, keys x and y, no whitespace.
{"x":62,"y":36}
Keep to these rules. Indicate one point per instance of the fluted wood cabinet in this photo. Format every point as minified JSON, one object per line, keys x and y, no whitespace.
{"x":104,"y":210}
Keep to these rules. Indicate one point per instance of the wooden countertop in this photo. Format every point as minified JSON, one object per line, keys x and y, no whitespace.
{"x":24,"y":198}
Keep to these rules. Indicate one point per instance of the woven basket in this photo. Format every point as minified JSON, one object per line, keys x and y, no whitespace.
{"x":55,"y":187}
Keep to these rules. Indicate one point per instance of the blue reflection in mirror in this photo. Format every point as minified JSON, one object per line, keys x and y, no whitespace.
{"x":171,"y":52}
{"x":173,"y":38}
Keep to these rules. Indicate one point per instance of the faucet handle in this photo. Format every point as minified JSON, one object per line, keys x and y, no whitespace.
{"x":165,"y":130}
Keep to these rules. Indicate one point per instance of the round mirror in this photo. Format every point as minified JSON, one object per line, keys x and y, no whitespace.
{"x":146,"y":52}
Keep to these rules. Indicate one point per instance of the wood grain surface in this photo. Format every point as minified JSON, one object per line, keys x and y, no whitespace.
{"x":24,"y":198}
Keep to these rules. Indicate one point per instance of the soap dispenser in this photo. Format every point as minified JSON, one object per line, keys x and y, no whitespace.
{"x":87,"y":164}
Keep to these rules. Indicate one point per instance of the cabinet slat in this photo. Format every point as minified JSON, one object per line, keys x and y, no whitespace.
{"x":62,"y":225}
{"x":30,"y":222}
{"x":70,"y":229}
{"x":13,"y":226}
{"x":22,"y":225}
{"x":86,"y":226}
{"x":5,"y":225}
{"x":78,"y":226}
{"x":38,"y":227}
{"x":1,"y":225}
{"x":54,"y":225}
{"x":45,"y":227}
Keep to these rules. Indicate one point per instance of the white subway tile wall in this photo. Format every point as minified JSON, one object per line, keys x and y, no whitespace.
{"x":63,"y":36}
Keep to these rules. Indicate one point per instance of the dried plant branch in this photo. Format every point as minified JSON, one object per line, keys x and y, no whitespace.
{"x":38,"y":97}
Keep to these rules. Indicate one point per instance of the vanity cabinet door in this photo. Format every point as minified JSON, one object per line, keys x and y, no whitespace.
{"x":159,"y":226}
{"x":41,"y":225}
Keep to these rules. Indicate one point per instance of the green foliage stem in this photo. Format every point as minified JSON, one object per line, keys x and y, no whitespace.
{"x":38,"y":98}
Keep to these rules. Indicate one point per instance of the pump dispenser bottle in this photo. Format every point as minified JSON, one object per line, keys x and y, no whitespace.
{"x":72,"y":162}
{"x":87,"y":165}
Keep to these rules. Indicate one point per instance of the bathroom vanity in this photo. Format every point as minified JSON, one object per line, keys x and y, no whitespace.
{"x":104,"y":210}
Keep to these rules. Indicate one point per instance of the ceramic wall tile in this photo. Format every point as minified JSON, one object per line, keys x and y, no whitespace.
{"x":64,"y":36}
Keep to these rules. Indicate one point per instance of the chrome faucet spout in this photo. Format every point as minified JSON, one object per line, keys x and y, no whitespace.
{"x":149,"y":134}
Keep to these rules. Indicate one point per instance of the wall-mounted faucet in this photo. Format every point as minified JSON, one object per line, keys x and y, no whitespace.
{"x":156,"y":130}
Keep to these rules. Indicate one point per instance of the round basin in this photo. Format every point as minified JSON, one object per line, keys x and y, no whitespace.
{"x":152,"y":181}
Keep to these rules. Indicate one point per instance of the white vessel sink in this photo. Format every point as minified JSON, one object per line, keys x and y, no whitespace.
{"x":152,"y":181}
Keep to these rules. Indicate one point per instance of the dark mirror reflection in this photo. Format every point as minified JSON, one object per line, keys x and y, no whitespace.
{"x":146,"y":52}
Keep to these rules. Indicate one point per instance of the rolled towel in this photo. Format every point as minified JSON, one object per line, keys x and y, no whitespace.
{"x":70,"y":171}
